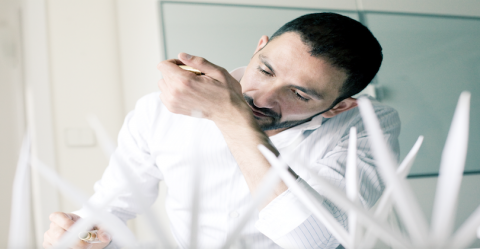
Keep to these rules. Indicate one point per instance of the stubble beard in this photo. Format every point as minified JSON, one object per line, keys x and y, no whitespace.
{"x":272,"y":121}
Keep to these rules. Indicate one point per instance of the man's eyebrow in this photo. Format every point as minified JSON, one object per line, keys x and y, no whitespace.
{"x":310,"y":92}
{"x":264,"y":61}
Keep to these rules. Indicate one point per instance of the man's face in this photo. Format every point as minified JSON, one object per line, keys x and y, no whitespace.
{"x":285,"y":86}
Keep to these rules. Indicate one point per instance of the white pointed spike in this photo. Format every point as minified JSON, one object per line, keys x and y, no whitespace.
{"x":466,"y":234}
{"x":351,"y":185}
{"x":196,"y":185}
{"x":65,"y":188}
{"x":118,"y":229}
{"x":407,"y":163}
{"x":265,"y":189}
{"x":385,"y":203}
{"x":195,"y":210}
{"x":104,"y":140}
{"x":20,"y":213}
{"x":451,"y":173}
{"x":317,"y":209}
{"x":159,"y":230}
{"x":407,"y":205}
{"x":112,"y":224}
{"x":340,"y":199}
{"x":351,"y":173}
{"x":109,"y":147}
{"x":71,"y":236}
{"x":336,"y":196}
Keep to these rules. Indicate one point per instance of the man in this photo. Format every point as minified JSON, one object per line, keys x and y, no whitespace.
{"x":294,"y":97}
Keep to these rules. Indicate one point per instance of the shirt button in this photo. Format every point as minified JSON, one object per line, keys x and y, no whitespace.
{"x":234,"y":214}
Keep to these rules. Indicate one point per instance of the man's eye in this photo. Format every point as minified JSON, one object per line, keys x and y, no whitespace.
{"x":299,"y":96}
{"x":264,"y":72}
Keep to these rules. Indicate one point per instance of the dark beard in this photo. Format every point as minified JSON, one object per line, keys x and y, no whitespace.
{"x":275,"y":117}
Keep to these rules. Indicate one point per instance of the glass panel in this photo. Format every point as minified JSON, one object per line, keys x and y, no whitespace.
{"x":226,"y":35}
{"x":428,"y":62}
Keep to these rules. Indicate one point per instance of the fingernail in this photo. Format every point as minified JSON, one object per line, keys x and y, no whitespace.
{"x":187,"y":56}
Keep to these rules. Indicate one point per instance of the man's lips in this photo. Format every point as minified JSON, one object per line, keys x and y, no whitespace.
{"x":258,"y":114}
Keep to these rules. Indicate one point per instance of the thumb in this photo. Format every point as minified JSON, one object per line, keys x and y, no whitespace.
{"x":201,"y":64}
{"x":103,"y":235}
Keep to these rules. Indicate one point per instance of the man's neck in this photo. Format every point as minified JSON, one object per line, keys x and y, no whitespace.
{"x":274,"y":132}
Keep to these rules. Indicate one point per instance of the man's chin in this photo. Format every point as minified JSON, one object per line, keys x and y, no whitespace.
{"x":268,"y":126}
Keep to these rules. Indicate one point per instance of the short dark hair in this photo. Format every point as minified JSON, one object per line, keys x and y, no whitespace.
{"x":345,"y":43}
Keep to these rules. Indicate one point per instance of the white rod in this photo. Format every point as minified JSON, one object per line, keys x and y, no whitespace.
{"x":104,"y":140}
{"x":340,"y":199}
{"x":336,"y":196}
{"x":404,"y":168}
{"x":314,"y":206}
{"x":466,"y":234}
{"x":265,"y":189}
{"x":385,"y":201}
{"x":119,"y":231}
{"x":195,"y":209}
{"x":351,"y":186}
{"x":71,"y":236}
{"x":196,"y":182}
{"x":451,"y":173}
{"x":20,"y":213}
{"x":109,"y":147}
{"x":407,"y":205}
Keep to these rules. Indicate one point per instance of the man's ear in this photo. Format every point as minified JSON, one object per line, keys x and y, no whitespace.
{"x":261,"y":43}
{"x":344,"y":105}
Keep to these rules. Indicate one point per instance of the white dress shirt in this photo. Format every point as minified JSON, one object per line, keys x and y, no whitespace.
{"x":157,"y":145}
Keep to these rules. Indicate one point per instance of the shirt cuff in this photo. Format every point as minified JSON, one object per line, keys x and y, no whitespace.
{"x":284,"y":213}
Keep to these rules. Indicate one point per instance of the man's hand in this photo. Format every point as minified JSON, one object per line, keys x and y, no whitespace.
{"x":217,"y":95}
{"x":61,"y":222}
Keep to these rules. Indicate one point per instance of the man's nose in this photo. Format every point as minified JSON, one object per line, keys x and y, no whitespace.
{"x":266,"y":97}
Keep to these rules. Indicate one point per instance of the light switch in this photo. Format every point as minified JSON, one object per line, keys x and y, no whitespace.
{"x":79,"y":137}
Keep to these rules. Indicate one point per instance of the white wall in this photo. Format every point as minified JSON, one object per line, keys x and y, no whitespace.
{"x":85,"y":78}
{"x":11,"y":107}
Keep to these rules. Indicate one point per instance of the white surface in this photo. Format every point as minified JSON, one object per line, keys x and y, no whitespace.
{"x":12,"y":122}
{"x":451,"y":172}
{"x":140,"y":48}
{"x":435,"y":7}
{"x":79,"y":137}
{"x":85,"y":79}
{"x":428,"y":62}
{"x":39,"y":109}
{"x":221,"y":33}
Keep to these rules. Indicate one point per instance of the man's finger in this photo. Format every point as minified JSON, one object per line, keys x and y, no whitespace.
{"x":46,"y":244}
{"x":162,"y":86}
{"x":53,"y":235}
{"x":171,"y":72}
{"x":202,"y":64}
{"x":63,"y":220}
{"x":103,"y":235}
{"x":83,"y":245}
